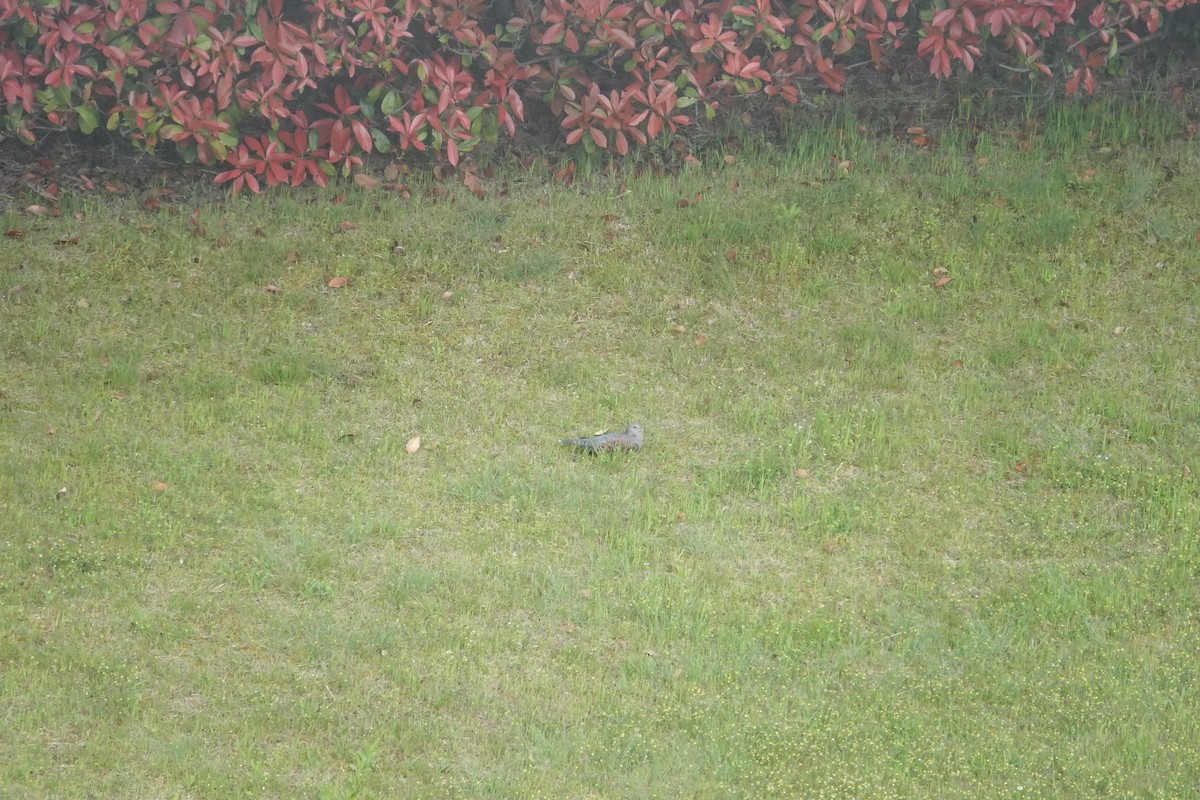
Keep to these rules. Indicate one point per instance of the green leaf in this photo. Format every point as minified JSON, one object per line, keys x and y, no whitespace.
{"x":114,"y":119}
{"x":487,"y":128}
{"x":87,"y":119}
{"x":390,"y":103}
{"x":380,"y":140}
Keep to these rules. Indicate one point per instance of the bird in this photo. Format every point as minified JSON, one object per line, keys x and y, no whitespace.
{"x":628,"y":439}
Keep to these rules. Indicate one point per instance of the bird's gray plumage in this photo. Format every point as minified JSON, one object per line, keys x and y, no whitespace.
{"x":628,"y":439}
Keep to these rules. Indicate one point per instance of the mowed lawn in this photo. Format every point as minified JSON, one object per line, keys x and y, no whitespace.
{"x":886,"y":538}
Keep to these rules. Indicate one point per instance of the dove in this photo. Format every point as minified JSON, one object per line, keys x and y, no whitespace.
{"x":628,"y":439}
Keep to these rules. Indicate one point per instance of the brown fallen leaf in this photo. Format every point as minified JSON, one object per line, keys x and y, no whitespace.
{"x":273,"y":289}
{"x":801,"y":473}
{"x":37,"y":211}
{"x":347,"y":225}
{"x":701,"y":338}
{"x":940,"y":271}
{"x":366,"y":181}
{"x":19,"y":233}
{"x":338,"y":282}
{"x":942,"y":281}
{"x":679,"y":329}
{"x":413,"y":444}
{"x":160,"y":487}
{"x":958,"y":363}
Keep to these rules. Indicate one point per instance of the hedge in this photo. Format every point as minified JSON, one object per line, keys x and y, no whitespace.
{"x":274,"y":92}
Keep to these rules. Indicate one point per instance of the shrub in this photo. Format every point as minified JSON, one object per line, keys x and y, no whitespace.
{"x":276,"y":92}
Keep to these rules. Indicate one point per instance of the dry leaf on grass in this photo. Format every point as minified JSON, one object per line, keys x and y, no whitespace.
{"x":413,"y":444}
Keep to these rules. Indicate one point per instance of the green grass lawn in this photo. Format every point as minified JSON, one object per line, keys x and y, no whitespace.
{"x":984,"y":580}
